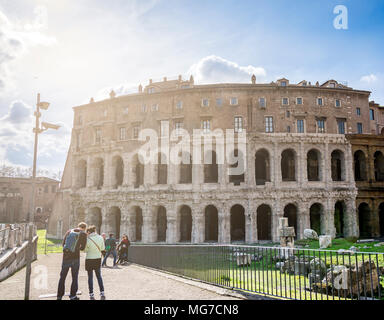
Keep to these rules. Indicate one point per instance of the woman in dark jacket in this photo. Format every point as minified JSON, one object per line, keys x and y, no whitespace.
{"x":122,"y":249}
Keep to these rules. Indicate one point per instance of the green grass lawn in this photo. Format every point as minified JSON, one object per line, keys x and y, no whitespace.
{"x":53,"y":245}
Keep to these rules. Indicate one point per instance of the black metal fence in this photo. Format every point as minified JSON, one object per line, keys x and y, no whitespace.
{"x":303,"y":274}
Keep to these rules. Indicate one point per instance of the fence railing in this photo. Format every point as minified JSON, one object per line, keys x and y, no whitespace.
{"x":12,"y":236}
{"x":302,"y":274}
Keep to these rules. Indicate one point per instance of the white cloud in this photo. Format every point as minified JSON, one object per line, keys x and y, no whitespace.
{"x":16,"y":39}
{"x":213,"y":69}
{"x":369,"y":78}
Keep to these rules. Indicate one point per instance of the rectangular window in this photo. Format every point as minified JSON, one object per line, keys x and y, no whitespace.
{"x":155,"y":107}
{"x":338,"y":103}
{"x":125,"y":110}
{"x":98,"y":136}
{"x":262,"y":103}
{"x":179,"y":105}
{"x":164,"y":128}
{"x":234,"y":102}
{"x":288,"y":129}
{"x":319,"y":101}
{"x":288,"y":114}
{"x":45,"y":189}
{"x":358,"y":111}
{"x":122,"y":133}
{"x":371,"y":114}
{"x":151,"y":90}
{"x":178,"y":127}
{"x":53,"y":189}
{"x":321,"y":126}
{"x":144,"y":108}
{"x":205,"y":102}
{"x":285,"y":101}
{"x":299,"y":100}
{"x":283,"y":83}
{"x":136,"y":130}
{"x":341,"y":126}
{"x":206,"y":126}
{"x":300,"y":126}
{"x":268,"y":124}
{"x":359,"y":128}
{"x":219,"y":102}
{"x":238,"y":124}
{"x":105,"y":112}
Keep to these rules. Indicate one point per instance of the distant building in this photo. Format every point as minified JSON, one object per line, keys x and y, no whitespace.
{"x":15,"y":199}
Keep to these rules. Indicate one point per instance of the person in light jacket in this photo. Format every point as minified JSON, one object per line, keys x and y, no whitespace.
{"x":94,"y":248}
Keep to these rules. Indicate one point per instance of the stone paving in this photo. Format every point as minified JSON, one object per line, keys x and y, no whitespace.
{"x":130,"y":282}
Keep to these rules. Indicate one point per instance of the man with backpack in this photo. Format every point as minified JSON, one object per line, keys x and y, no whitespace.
{"x":110,"y":247}
{"x":74,"y":241}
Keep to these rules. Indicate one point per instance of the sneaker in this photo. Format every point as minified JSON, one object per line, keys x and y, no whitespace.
{"x":59,"y":298}
{"x":74,"y":298}
{"x":91,"y":296}
{"x":102,"y":297}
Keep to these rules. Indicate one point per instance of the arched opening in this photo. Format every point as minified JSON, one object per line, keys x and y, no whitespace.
{"x":382,"y":131}
{"x":114,"y":221}
{"x":379,"y":166}
{"x":118,"y":171}
{"x":337,"y":166}
{"x":185,"y":224}
{"x":138,"y":214}
{"x":288,"y":165}
{"x":238,"y":167}
{"x":339,"y":218}
{"x":211,"y":174}
{"x":162,"y":169}
{"x":80,"y":216}
{"x":81,"y":174}
{"x":290,"y":212}
{"x":313,"y":165}
{"x":262,"y":167}
{"x":264,"y":222}
{"x":315,"y":213}
{"x":211,"y":224}
{"x":138,"y":171}
{"x":365,"y":220}
{"x":381,"y":219}
{"x":360,"y":166}
{"x":95,"y":218}
{"x":185,"y":168}
{"x":98,"y":173}
{"x":237,"y":223}
{"x":161,"y":224}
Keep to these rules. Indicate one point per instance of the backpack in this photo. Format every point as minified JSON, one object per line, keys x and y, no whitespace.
{"x":71,"y":241}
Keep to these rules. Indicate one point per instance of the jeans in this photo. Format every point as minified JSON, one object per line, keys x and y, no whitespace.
{"x":99,"y":280}
{"x":74,"y":265}
{"x":113,"y":251}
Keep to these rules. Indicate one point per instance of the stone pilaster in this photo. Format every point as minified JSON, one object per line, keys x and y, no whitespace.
{"x":224,"y":224}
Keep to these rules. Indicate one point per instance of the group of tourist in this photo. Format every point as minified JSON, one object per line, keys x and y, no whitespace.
{"x":98,"y":248}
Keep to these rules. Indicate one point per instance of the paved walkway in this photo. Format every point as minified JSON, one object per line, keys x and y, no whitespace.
{"x":130,"y":282}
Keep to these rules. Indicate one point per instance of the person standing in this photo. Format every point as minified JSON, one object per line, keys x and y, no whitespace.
{"x":94,"y":248}
{"x":110,"y":247}
{"x":74,"y":241}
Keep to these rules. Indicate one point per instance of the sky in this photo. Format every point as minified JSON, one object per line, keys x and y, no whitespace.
{"x":70,"y":51}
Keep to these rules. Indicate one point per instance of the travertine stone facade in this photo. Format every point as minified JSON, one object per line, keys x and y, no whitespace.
{"x":298,"y":164}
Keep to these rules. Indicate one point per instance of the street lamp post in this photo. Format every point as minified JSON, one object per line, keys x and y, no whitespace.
{"x":37,"y":130}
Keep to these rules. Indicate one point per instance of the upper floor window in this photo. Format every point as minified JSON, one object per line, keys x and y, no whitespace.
{"x":135,"y":131}
{"x":144,"y":108}
{"x":285,"y":101}
{"x":262,"y":103}
{"x":164,"y":128}
{"x":206,"y":125}
{"x":288,"y":129}
{"x":155,"y":107}
{"x":179,"y":104}
{"x":45,"y":189}
{"x":105,"y":113}
{"x":320,"y":101}
{"x":299,"y":100}
{"x":125,"y":110}
{"x":122,"y":134}
{"x":321,"y":126}
{"x":151,"y":90}
{"x":205,"y":102}
{"x":358,"y":111}
{"x":338,"y":103}
{"x":300,"y":126}
{"x":98,"y":136}
{"x":268,"y":124}
{"x":371,"y":114}
{"x":359,"y":128}
{"x":53,"y":189}
{"x":283,"y":83}
{"x":178,"y":127}
{"x":238,"y":124}
{"x":341,"y":126}
{"x":288,"y":114}
{"x":234,"y":101}
{"x":219,"y":102}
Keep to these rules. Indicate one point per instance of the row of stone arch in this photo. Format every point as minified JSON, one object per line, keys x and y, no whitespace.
{"x":368,"y":220}
{"x":361,"y":167}
{"x":237,"y":221}
{"x":262,"y":159}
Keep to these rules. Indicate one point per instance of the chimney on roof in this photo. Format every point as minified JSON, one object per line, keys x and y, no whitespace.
{"x":253,"y":79}
{"x":191,"y":80}
{"x":92,"y":100}
{"x":150,"y":81}
{"x":112,"y":94}
{"x":140,"y":88}
{"x":165,"y":79}
{"x":180,"y":78}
